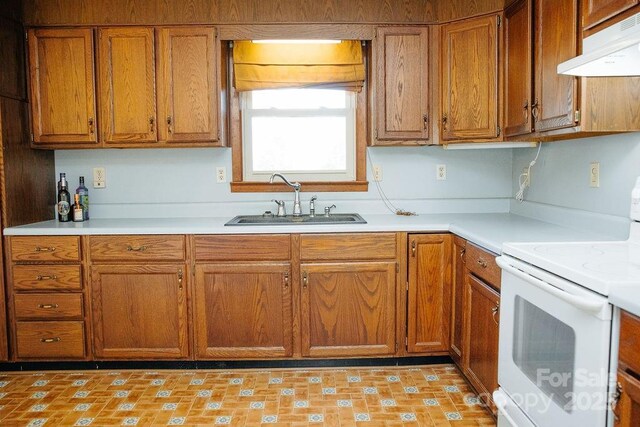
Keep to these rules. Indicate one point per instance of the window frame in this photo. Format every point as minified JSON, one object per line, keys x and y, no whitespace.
{"x":239,"y":185}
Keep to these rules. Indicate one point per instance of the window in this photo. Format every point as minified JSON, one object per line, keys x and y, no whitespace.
{"x":307,"y":134}
{"x":299,"y":109}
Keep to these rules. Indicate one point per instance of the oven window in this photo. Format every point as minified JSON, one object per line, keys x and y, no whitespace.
{"x":544,"y":350}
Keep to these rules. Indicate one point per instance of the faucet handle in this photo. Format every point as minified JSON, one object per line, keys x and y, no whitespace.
{"x":281,"y":207}
{"x":327,"y":210}
{"x":313,"y":198}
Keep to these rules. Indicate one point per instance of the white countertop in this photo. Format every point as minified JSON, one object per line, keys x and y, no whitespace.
{"x":489,"y":231}
{"x":627,"y":298}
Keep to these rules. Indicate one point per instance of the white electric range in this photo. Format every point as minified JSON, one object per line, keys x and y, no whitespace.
{"x":558,"y":331}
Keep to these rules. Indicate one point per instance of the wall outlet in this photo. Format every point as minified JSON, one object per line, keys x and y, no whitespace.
{"x":594,"y":175}
{"x":99,"y":178}
{"x":221,"y":174}
{"x":441,"y":172}
{"x":377,"y":173}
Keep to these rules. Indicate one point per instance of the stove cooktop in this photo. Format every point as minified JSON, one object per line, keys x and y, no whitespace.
{"x":598,"y":266}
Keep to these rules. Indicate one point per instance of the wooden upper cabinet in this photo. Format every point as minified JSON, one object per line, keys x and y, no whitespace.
{"x":348,"y":309}
{"x":429,"y":297}
{"x":597,"y":11}
{"x":402,"y":91}
{"x":518,"y":68}
{"x":62,"y":86}
{"x":187,"y":84}
{"x":127,"y":85}
{"x":556,"y":28}
{"x":469,"y":68}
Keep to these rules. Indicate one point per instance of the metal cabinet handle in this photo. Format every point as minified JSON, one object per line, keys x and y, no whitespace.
{"x":614,"y":401}
{"x":494,"y":311}
{"x":152,"y":122}
{"x":91,"y":127}
{"x":482,"y":263}
{"x":534,"y":110}
{"x":413,"y":248}
{"x":180,"y":278}
{"x":40,"y":278}
{"x":48,"y":306}
{"x":169,"y":121}
{"x":526,"y":111}
{"x":50,"y":340}
{"x":48,"y":249}
{"x":305,"y":280}
{"x":285,"y":279}
{"x":136,"y":248}
{"x":445,"y":119}
{"x":425,"y":122}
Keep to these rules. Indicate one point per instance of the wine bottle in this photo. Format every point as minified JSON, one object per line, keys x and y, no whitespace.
{"x":64,"y":199}
{"x":77,"y":209}
{"x":83,"y":192}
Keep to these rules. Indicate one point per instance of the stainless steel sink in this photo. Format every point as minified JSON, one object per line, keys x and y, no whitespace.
{"x":297,"y":220}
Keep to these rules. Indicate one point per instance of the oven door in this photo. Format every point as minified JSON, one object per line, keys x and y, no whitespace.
{"x":554,"y":347}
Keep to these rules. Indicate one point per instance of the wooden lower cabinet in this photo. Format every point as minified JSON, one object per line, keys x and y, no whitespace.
{"x":139,"y":311}
{"x":627,"y":409}
{"x":481,"y":319}
{"x":456,"y":340}
{"x":348,"y":309}
{"x":243,"y":310}
{"x":428,"y":317}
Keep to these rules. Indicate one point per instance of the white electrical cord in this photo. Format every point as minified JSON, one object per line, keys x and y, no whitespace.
{"x":384,"y":197}
{"x":524,"y":179}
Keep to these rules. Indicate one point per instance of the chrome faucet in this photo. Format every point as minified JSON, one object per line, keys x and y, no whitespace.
{"x":312,"y":206}
{"x":297,"y":211}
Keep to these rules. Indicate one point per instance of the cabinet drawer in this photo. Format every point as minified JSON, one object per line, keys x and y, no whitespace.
{"x":48,"y":306}
{"x":360,"y":246}
{"x":272,"y":247}
{"x":48,"y":340}
{"x":630,"y":341}
{"x":45,"y":248}
{"x":483,"y":264}
{"x":46,"y":277}
{"x":135,"y":248}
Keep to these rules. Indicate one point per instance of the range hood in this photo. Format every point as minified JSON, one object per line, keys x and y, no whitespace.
{"x":614,"y":51}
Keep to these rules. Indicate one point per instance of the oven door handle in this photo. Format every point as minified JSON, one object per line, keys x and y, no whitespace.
{"x":583,"y":303}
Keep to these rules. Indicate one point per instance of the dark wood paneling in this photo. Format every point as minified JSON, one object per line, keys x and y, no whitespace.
{"x":27,"y":176}
{"x":12,"y":77}
{"x":11,"y":9}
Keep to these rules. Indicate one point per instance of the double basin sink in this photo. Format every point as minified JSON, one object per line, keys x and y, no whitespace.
{"x":297,"y":220}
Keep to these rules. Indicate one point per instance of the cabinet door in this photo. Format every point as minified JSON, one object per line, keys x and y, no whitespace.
{"x":127,"y":85}
{"x":556,"y":30}
{"x":482,"y":306}
{"x":470,"y":79}
{"x":243,"y":311}
{"x":62,"y":86}
{"x":627,"y":409}
{"x":429,"y":293}
{"x":348,"y":309}
{"x":518,"y":69}
{"x":139,"y":311}
{"x":597,"y":11}
{"x":457,"y":299}
{"x":402,"y":92}
{"x":187,"y":84}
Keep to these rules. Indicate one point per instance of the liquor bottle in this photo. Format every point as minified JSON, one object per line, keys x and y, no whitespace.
{"x":77,"y":209}
{"x":64,"y":199}
{"x":83,"y":192}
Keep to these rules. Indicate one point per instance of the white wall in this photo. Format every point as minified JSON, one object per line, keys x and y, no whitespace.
{"x":560,"y":179}
{"x":181,"y":182}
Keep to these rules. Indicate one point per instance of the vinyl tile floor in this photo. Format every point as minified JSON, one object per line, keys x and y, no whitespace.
{"x":433,"y":395}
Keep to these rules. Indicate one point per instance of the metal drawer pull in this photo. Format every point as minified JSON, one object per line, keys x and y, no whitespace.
{"x":54,"y":277}
{"x":91,"y":125}
{"x":413,"y":248}
{"x":50,"y":340}
{"x":482,"y":263}
{"x":494,"y":311}
{"x":48,"y":306}
{"x":305,"y":280}
{"x":152,"y":123}
{"x":136,"y":248}
{"x":169,"y":122}
{"x":180,"y":277}
{"x":286,"y":280}
{"x":48,"y":249}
